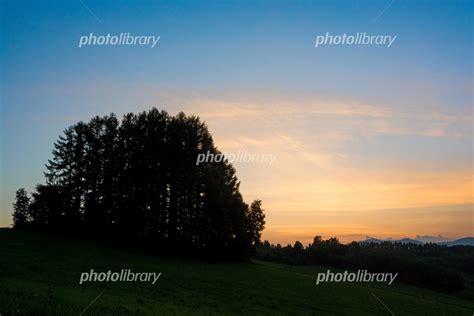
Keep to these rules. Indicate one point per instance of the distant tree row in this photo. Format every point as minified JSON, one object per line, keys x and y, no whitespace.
{"x":138,"y":179}
{"x":429,"y":265}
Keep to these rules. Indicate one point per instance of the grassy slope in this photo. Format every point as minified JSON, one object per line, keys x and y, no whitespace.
{"x":39,"y":274}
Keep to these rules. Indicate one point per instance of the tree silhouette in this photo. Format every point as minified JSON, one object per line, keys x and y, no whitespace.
{"x":138,"y":179}
{"x":429,"y":265}
{"x":255,"y":219}
{"x":21,"y":206}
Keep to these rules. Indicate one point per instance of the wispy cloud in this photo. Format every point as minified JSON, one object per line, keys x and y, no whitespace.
{"x":333,"y":172}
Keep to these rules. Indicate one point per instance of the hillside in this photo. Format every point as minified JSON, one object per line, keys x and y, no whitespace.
{"x":40,"y":276}
{"x":467,"y":241}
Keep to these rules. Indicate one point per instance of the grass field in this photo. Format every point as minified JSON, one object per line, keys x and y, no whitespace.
{"x":39,"y":275}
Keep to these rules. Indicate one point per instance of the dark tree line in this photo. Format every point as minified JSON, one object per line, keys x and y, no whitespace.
{"x":429,"y":265}
{"x":137,"y":179}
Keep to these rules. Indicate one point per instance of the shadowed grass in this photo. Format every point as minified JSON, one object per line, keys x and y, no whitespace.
{"x":39,"y":275}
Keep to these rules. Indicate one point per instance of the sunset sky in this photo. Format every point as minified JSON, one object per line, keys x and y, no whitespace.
{"x":370,"y":140}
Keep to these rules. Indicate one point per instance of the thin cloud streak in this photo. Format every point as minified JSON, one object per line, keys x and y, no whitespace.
{"x":330,"y":157}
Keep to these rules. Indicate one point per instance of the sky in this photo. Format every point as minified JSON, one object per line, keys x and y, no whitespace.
{"x":370,"y":140}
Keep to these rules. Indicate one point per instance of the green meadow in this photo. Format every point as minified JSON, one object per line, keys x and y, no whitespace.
{"x":39,"y":275}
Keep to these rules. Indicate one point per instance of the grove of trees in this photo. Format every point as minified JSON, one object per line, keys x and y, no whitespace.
{"x":137,"y":179}
{"x":429,"y":265}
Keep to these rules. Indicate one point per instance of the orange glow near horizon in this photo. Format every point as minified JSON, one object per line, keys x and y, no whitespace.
{"x":332,"y":177}
{"x":342,"y":169}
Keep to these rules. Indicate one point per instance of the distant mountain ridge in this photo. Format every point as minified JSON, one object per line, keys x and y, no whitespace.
{"x":465,"y":241}
{"x":432,"y":239}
